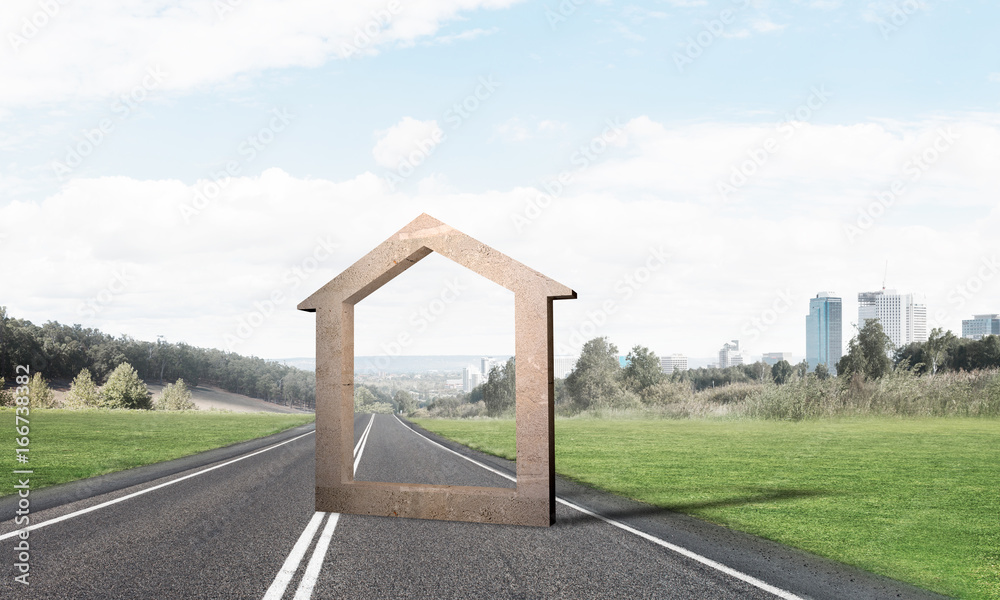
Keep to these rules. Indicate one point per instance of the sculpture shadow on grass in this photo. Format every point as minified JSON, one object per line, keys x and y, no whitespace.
{"x":637,"y":509}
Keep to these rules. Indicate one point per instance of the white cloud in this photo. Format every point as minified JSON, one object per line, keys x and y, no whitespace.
{"x":766,"y":26}
{"x":102,"y":48}
{"x":409,"y":136}
{"x":512,"y":130}
{"x":516,"y":129}
{"x":730,"y":261}
{"x":464,"y":36}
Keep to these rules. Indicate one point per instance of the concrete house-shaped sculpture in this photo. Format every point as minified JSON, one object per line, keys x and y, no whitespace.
{"x":532,"y":502}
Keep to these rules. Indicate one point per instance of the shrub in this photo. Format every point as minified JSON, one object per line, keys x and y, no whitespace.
{"x":83,"y":392}
{"x":6,"y":396}
{"x":39,"y":394}
{"x":666,"y":392}
{"x":124,"y":389}
{"x":730,"y":394}
{"x":175,"y":396}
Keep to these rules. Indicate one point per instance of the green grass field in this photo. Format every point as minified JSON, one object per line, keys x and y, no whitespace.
{"x":66,"y":445}
{"x":913,"y":499}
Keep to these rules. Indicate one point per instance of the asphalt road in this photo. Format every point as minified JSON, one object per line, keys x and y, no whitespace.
{"x":244,"y":526}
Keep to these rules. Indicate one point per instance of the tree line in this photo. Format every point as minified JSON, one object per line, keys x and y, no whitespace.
{"x":63,"y":351}
{"x":599,"y":381}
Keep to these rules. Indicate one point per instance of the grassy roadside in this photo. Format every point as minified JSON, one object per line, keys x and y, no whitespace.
{"x":66,"y":445}
{"x":913,"y":499}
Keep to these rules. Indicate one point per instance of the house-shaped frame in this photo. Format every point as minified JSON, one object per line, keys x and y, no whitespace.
{"x":532,"y":501}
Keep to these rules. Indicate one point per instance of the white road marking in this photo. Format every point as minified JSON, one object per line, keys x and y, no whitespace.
{"x":360,"y":448}
{"x":308,"y":582}
{"x":287,"y":571}
{"x":678,"y":549}
{"x":358,"y":445}
{"x":316,"y":561}
{"x":146,"y":491}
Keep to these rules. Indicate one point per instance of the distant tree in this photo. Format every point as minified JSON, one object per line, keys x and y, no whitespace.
{"x":642,"y":370}
{"x":83,"y":391}
{"x":937,"y":346}
{"x":822,"y":372}
{"x":405,"y":402}
{"x":499,"y":391}
{"x":39,"y":394}
{"x":867,"y":354}
{"x":362,"y":398}
{"x":124,"y":389}
{"x":175,"y":396}
{"x":802,"y":368}
{"x":596,"y":378}
{"x":367,"y":402}
{"x":781,"y":372}
{"x":758,"y":371}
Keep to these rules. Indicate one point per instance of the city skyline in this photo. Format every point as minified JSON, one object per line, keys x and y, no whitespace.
{"x":195,"y":173}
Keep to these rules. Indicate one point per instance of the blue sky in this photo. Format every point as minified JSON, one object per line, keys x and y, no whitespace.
{"x":469,"y":110}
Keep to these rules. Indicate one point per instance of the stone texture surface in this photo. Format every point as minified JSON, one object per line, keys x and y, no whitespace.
{"x":533,"y":500}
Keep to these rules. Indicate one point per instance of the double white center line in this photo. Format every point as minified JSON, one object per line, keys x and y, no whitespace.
{"x":291,"y":565}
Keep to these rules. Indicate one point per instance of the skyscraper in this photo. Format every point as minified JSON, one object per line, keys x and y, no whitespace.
{"x":903,"y":319}
{"x":824,"y":331}
{"x":730,"y":355}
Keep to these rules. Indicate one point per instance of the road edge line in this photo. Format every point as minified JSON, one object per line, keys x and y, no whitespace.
{"x":786,"y":595}
{"x":147,"y":490}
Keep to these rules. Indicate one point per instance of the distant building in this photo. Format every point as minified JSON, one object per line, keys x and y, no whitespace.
{"x":674,"y":362}
{"x":903,"y":319}
{"x":470,"y":378}
{"x":825,"y":331}
{"x":486,"y":363}
{"x":980,"y":326}
{"x":773,"y":358}
{"x":563,"y":365}
{"x":730,"y":355}
{"x":623,"y":362}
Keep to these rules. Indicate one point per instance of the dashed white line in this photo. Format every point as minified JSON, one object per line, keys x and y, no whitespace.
{"x":785,"y":595}
{"x":146,"y":491}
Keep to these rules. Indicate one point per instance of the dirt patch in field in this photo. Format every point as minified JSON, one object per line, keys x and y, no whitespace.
{"x":208,"y":397}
